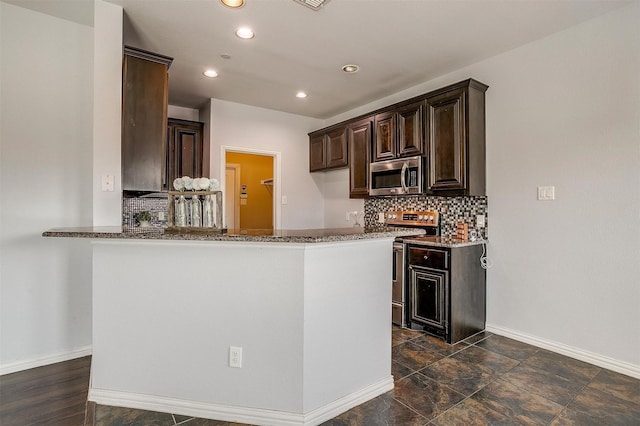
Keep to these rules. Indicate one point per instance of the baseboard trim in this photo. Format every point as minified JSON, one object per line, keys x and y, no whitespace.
{"x":239,"y":414}
{"x":27,"y":364}
{"x":580,"y":354}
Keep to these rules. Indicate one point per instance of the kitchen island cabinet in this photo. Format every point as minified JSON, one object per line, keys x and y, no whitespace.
{"x":311,"y":311}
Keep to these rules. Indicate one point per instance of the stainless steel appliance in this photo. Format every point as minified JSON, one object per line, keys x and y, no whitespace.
{"x":429,"y":221}
{"x":396,"y":177}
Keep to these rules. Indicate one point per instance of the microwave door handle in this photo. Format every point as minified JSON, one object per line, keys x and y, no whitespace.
{"x":403,"y":180}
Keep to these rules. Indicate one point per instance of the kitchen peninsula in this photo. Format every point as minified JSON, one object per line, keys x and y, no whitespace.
{"x":310,"y":310}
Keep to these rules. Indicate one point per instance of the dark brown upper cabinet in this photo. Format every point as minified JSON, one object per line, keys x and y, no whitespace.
{"x":456,"y":135}
{"x":328,"y":149}
{"x":447,"y":126}
{"x":145,"y":89}
{"x":359,"y":138}
{"x":185,"y":150}
{"x":399,"y":132}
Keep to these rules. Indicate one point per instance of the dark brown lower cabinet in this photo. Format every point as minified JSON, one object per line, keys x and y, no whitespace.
{"x":446,"y":290}
{"x":185,"y":150}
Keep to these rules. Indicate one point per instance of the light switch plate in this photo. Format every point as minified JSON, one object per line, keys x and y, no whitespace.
{"x":546,"y":193}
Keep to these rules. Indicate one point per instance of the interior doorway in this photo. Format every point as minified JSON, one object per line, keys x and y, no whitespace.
{"x":251,"y":188}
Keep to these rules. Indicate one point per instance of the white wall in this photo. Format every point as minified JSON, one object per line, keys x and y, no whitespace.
{"x":181,"y":112}
{"x":107,"y":112}
{"x":336,"y":199}
{"x":246,"y":127}
{"x":563,"y":111}
{"x":45,"y":182}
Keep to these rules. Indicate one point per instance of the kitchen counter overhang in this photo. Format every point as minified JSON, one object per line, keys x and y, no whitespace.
{"x":247,"y":235}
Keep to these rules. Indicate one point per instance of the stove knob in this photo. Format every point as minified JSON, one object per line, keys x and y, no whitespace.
{"x":393,"y":216}
{"x":431,"y":218}
{"x":420,"y":217}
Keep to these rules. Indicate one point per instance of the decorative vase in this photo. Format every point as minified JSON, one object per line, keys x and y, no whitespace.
{"x":196,"y":212}
{"x":144,"y":223}
{"x":181,"y":212}
{"x":208,"y":220}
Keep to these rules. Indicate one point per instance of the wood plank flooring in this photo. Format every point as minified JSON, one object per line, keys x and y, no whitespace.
{"x":53,"y":395}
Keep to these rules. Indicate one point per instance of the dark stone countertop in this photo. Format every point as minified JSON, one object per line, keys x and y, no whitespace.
{"x":448,"y":242}
{"x":247,"y":235}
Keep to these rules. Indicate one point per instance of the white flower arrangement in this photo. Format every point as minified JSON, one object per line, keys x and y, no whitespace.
{"x":186,"y":183}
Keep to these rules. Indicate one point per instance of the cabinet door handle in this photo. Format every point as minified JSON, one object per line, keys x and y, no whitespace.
{"x":426,"y":257}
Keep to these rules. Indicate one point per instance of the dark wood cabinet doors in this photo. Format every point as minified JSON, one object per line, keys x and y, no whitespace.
{"x":399,"y":133}
{"x":145,"y":89}
{"x":328,"y":149}
{"x":456,"y":135}
{"x":359,"y":137}
{"x":185,"y":149}
{"x":448,"y":154}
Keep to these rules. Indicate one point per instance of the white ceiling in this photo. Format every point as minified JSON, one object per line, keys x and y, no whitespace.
{"x":396,"y":43}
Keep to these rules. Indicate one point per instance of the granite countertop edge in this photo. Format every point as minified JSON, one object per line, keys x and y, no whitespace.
{"x":289,"y":236}
{"x":445,"y":242}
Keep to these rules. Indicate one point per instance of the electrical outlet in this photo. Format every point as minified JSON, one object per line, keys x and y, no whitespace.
{"x":347,"y":216}
{"x":480,"y":221}
{"x":380,"y":217}
{"x":107,"y":183}
{"x":235,"y":357}
{"x":160,"y":215}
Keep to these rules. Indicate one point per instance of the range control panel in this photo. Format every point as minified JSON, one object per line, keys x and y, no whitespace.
{"x":413,"y":218}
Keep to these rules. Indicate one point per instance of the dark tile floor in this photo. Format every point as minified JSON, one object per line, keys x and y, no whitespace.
{"x":487,"y":379}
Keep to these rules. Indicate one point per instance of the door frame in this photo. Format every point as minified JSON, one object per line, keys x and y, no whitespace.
{"x":277,"y":173}
{"x":236,"y":198}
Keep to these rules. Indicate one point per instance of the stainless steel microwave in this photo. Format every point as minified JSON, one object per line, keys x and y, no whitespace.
{"x":396,"y":177}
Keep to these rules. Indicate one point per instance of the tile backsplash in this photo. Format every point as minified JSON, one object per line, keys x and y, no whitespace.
{"x":132,"y":206}
{"x":451,"y":209}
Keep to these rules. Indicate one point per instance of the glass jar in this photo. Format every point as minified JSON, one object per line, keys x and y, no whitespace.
{"x":181,"y":211}
{"x":208,"y":212}
{"x":196,"y":212}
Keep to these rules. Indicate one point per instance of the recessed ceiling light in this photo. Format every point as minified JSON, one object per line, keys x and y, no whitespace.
{"x":210,"y":73}
{"x":350,"y":68}
{"x":245,"y":33}
{"x":301,"y":95}
{"x":233,"y":3}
